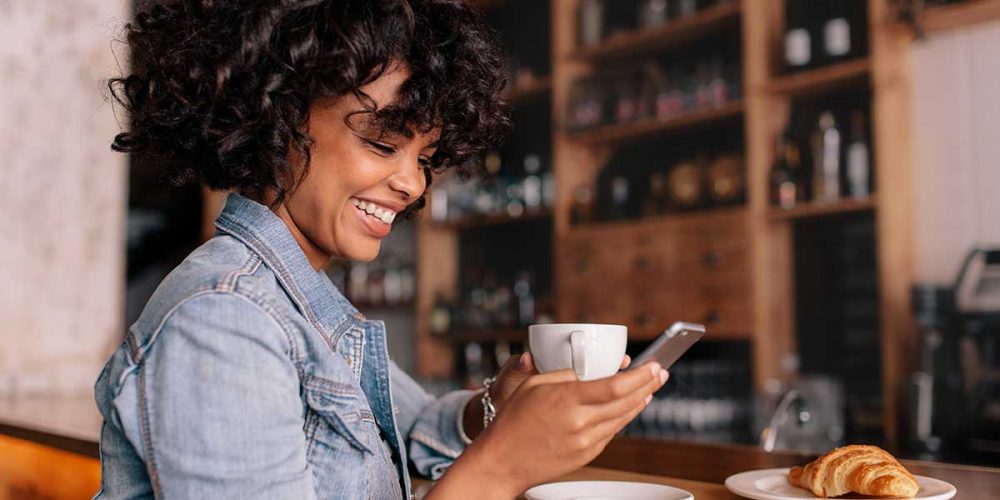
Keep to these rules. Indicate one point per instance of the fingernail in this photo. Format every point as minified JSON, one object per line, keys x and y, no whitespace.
{"x":663,"y":376}
{"x":654,"y":368}
{"x":649,"y":398}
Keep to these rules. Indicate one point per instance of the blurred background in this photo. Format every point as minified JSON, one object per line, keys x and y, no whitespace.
{"x":816,"y":181}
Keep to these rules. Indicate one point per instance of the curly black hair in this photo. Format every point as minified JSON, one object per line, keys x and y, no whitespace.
{"x":219,"y":90}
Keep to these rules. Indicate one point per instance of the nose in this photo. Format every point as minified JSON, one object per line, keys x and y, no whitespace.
{"x":409,"y":181}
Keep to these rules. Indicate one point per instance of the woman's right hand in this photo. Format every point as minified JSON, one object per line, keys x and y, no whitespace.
{"x":554,"y":424}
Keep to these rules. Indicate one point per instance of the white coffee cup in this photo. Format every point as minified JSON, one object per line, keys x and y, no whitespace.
{"x":592,"y":351}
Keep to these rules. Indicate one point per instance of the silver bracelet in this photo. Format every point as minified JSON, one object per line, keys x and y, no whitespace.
{"x":489,"y":411}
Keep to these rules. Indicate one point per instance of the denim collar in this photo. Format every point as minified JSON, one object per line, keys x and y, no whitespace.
{"x":267,"y":235}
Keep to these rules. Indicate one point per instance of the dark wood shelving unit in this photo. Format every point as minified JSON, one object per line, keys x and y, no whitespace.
{"x":650,"y":128}
{"x":671,"y":34}
{"x":823,"y":80}
{"x":813,"y":210}
{"x":471,"y":221}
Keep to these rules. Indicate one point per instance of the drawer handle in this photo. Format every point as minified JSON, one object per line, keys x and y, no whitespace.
{"x":642,"y":263}
{"x":643,"y":319}
{"x":713,"y":258}
{"x":713,"y":318}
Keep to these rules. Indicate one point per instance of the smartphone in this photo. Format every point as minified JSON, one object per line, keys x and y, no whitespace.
{"x":671,"y":344}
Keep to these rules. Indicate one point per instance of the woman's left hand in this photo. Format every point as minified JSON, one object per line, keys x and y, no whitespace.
{"x":512,"y":374}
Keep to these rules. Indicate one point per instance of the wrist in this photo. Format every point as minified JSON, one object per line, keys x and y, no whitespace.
{"x":472,"y":416}
{"x":482,"y":462}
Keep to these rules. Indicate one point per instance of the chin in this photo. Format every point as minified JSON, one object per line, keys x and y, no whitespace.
{"x":365,"y":253}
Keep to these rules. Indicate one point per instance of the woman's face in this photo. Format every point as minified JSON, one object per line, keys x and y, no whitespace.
{"x":357,"y":182}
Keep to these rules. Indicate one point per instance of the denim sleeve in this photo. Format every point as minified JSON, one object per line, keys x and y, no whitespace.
{"x":431,"y":426}
{"x":220,"y":406}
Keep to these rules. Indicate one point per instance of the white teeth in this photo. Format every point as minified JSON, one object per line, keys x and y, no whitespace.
{"x":383,"y":214}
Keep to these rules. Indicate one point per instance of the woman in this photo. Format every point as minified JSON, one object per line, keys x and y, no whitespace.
{"x":248,"y":375}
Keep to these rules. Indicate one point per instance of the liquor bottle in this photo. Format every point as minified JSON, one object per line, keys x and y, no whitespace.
{"x":440,"y":320}
{"x":393,"y":282}
{"x":532,"y":182}
{"x":652,"y":13}
{"x":524,"y":293}
{"x":626,"y":104}
{"x":685,"y":8}
{"x":656,"y":200}
{"x":590,"y":19}
{"x":858,"y":167}
{"x":826,"y":159}
{"x":786,"y":174}
{"x":619,"y":198}
{"x":837,"y":31}
{"x":798,"y":38}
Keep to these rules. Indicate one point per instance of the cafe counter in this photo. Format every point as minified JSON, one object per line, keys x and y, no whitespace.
{"x":49,"y":449}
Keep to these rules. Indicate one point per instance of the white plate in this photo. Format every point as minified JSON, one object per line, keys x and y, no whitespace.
{"x":772,"y":484}
{"x":606,"y":490}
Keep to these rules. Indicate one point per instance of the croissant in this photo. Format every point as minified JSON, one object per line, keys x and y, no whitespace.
{"x":866,"y":470}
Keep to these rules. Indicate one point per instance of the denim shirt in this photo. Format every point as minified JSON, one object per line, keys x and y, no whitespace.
{"x":249,"y":375}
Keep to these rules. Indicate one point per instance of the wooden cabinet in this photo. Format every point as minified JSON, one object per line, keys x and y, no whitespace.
{"x":649,"y":274}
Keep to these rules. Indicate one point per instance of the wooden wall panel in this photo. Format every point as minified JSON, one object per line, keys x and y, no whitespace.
{"x":957,"y":154}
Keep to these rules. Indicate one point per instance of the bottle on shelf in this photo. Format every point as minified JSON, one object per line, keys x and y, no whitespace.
{"x":656,"y":201}
{"x":590,"y":22}
{"x":786,"y":174}
{"x":532,"y":182}
{"x":798,"y":35}
{"x":619,"y":198}
{"x":440,"y":318}
{"x":685,"y":8}
{"x":653,"y":13}
{"x":858,"y":167}
{"x":826,"y":159}
{"x":837,"y":31}
{"x":525,"y":298}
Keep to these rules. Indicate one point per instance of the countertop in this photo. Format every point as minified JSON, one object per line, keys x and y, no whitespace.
{"x":72,"y":423}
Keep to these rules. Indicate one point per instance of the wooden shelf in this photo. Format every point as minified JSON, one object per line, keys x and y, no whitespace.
{"x":706,"y":216}
{"x":535,"y":87}
{"x":471,"y":221}
{"x":514,"y":334}
{"x":383,"y":305}
{"x":823,"y":80}
{"x":671,"y":34}
{"x":650,"y":128}
{"x":947,"y":17}
{"x":813,"y":210}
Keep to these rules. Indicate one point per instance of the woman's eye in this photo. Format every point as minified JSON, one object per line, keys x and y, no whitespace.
{"x":384,"y":149}
{"x":424,"y":161}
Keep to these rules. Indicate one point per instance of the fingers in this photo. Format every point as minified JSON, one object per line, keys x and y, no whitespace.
{"x":627,"y":360}
{"x":622,"y":385}
{"x":622,"y":406}
{"x":527,"y":363}
{"x":605,"y":430}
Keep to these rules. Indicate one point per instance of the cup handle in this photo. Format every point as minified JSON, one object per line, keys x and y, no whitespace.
{"x":578,"y":342}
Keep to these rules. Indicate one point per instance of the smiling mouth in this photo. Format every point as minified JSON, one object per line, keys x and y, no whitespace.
{"x":379,"y":213}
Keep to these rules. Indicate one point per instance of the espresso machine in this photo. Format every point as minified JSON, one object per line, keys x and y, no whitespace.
{"x":977,"y":304}
{"x":954,"y":394}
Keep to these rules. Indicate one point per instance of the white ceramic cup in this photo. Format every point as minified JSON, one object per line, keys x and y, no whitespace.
{"x":592,"y":351}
